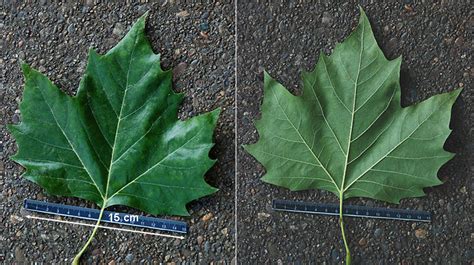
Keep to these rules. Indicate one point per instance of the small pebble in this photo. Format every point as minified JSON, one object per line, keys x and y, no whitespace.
{"x":16,"y":118}
{"x":21,"y":55}
{"x":225,"y":231}
{"x":179,"y":69}
{"x":204,"y":15}
{"x":71,"y":29}
{"x":118,"y":29}
{"x":378,"y":232}
{"x":182,"y":14}
{"x":421,"y":233}
{"x":459,"y":41}
{"x":335,"y":255}
{"x":19,"y":255}
{"x":327,"y":18}
{"x":129,"y":258}
{"x":204,"y":26}
{"x":263,"y":215}
{"x":207,"y":246}
{"x":207,"y":217}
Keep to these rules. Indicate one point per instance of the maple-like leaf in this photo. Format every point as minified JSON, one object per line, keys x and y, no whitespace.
{"x":347,"y":133}
{"x":118,"y":141}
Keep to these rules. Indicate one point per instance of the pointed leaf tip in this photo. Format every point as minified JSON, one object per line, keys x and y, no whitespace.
{"x":145,"y":15}
{"x":457,"y":91}
{"x":217,"y":111}
{"x":267,"y":78}
{"x":363,"y":16}
{"x":215,"y":115}
{"x":141,"y":22}
{"x":25,"y":68}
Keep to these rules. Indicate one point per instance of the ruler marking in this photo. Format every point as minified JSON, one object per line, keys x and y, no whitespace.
{"x":102,"y":226}
{"x":352,"y":211}
{"x":89,"y":214}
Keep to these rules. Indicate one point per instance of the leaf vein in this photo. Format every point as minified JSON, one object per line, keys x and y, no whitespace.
{"x":324,"y":117}
{"x":72,"y":147}
{"x":396,"y":146}
{"x":51,"y":161}
{"x":157,"y":164}
{"x":332,"y":85}
{"x":302,"y":139}
{"x":289,"y":159}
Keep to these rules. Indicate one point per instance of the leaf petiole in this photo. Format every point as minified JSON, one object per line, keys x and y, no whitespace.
{"x":341,"y":223}
{"x":78,"y":256}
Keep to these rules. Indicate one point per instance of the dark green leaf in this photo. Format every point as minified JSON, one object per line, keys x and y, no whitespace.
{"x":118,"y":141}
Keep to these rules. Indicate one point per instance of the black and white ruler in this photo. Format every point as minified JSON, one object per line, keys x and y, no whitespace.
{"x":107,"y":216}
{"x":351,"y":210}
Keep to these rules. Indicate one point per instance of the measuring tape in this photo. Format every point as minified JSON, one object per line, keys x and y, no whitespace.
{"x":107,"y":216}
{"x":351,"y":210}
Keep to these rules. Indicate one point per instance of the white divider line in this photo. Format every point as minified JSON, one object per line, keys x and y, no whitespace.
{"x":105,"y":227}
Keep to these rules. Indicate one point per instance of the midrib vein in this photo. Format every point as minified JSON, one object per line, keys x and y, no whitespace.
{"x":127,"y":85}
{"x":349,"y":139}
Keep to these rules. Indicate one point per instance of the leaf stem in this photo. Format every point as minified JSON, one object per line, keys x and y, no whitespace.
{"x":78,"y":256}
{"x":341,"y":223}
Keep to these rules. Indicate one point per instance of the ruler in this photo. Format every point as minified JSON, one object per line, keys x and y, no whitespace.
{"x":107,"y":216}
{"x":350,"y":210}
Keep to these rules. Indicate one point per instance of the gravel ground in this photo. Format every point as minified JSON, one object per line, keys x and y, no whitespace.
{"x":197,"y":41}
{"x":435,"y":40}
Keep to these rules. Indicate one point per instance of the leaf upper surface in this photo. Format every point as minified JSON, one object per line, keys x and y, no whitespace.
{"x":118,"y":141}
{"x":347,"y":133}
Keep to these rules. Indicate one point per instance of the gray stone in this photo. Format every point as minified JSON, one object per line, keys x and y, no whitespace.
{"x":129,"y":258}
{"x":118,"y":29}
{"x":71,"y":29}
{"x":378,"y":232}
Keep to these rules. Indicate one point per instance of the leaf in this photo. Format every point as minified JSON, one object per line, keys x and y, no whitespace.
{"x":118,"y":141}
{"x":347,"y":133}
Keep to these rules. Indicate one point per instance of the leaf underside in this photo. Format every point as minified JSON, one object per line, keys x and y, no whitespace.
{"x":347,"y":133}
{"x":118,"y":141}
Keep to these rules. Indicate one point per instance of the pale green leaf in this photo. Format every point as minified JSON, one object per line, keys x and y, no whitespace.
{"x":347,"y":133}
